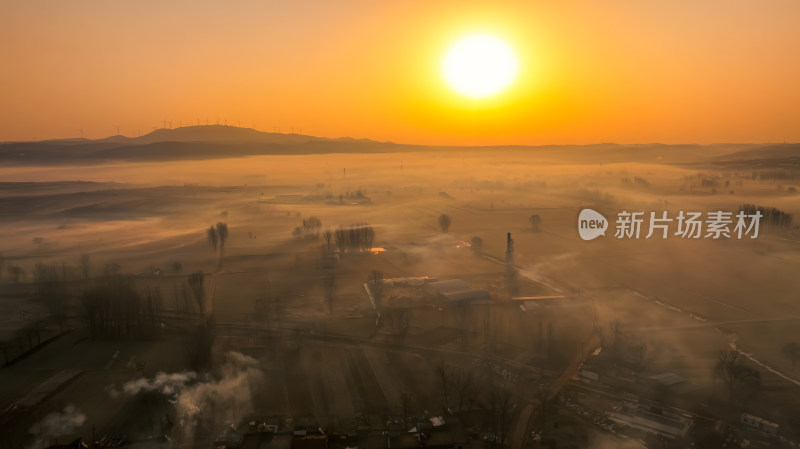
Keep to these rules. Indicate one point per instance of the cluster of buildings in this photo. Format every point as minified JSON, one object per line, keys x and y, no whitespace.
{"x":438,"y":433}
{"x":667,"y":422}
{"x":416,"y":291}
{"x":663,"y":421}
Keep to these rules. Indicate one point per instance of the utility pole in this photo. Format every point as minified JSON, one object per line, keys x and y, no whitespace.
{"x":509,"y":250}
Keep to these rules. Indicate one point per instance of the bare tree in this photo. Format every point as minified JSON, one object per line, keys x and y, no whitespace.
{"x":150,"y":313}
{"x":444,"y":222}
{"x":792,"y":351}
{"x":16,"y":272}
{"x":112,"y":269}
{"x":2,"y":264}
{"x":49,"y":290}
{"x":261,"y":316}
{"x":615,"y":327}
{"x":196,"y":282}
{"x":85,"y":264}
{"x":217,"y":235}
{"x":356,"y":237}
{"x":114,"y":309}
{"x":329,"y":288}
{"x":222,"y":234}
{"x":327,"y":257}
{"x":465,"y":386}
{"x":504,"y":407}
{"x":740,"y":380}
{"x":461,"y":311}
{"x":213,"y":239}
{"x":31,"y":331}
{"x":177,"y":266}
{"x":637,"y":354}
{"x":444,"y":375}
{"x":535,"y":220}
{"x":406,"y":402}
{"x":311,"y":227}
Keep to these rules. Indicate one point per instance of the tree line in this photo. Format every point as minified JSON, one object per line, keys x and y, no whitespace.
{"x":770,"y":215}
{"x":115,"y":309}
{"x":356,"y":237}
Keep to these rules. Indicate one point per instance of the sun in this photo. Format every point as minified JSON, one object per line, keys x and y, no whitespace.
{"x":480,"y":66}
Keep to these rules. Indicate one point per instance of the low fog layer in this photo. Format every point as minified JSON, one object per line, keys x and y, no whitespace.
{"x":205,"y":284}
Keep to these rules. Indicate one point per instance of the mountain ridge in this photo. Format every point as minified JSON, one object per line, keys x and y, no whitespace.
{"x":222,"y":141}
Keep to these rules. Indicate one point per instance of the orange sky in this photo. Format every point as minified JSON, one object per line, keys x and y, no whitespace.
{"x":621,"y":71}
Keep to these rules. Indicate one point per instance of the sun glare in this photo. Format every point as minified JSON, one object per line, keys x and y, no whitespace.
{"x":480,"y":66}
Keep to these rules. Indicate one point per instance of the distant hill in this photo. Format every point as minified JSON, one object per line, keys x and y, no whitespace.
{"x":772,"y":151}
{"x":221,"y":133}
{"x":190,"y":142}
{"x":217,"y":141}
{"x":226,"y":134}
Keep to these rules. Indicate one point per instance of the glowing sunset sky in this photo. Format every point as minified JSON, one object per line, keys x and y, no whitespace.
{"x":612,"y":71}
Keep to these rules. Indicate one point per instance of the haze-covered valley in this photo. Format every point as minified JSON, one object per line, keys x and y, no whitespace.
{"x":195,"y":286}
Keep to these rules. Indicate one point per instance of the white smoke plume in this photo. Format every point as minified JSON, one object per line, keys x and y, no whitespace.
{"x":205,"y":402}
{"x":165,"y":383}
{"x":55,"y":425}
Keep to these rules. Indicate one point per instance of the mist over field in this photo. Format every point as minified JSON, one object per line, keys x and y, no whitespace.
{"x":215,"y":286}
